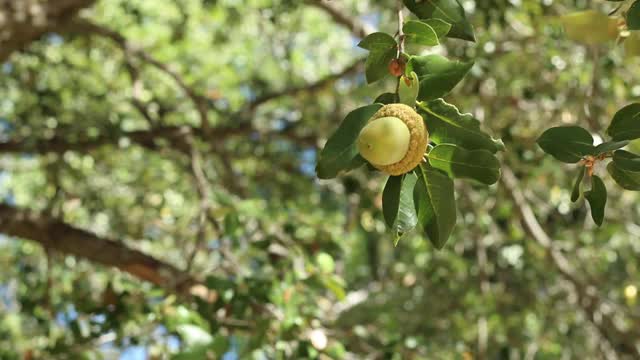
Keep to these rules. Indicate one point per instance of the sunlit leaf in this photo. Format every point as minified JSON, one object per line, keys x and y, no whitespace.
{"x":446,"y":125}
{"x":450,"y":11}
{"x":437,"y":74}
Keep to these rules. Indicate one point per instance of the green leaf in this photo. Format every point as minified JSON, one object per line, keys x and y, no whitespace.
{"x":408,"y":89}
{"x":633,"y":16}
{"x":609,"y":146}
{"x":626,"y":160}
{"x":567,"y":143}
{"x":480,"y":165}
{"x":391,"y":199}
{"x":441,"y":27}
{"x":577,"y":186}
{"x":382,"y":49}
{"x":420,"y":33}
{"x":626,"y":123}
{"x":437,"y":74}
{"x":434,"y":201}
{"x":378,"y":42}
{"x":597,"y":198}
{"x":625,"y":170}
{"x":447,"y":125}
{"x":450,"y":11}
{"x":629,"y":180}
{"x":340,"y":153}
{"x":377,"y":65}
{"x":397,"y":204}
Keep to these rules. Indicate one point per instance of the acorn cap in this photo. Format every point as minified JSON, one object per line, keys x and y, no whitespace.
{"x":417,"y":143}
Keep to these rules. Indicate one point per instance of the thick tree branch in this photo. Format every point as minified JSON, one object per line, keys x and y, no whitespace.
{"x":24,"y":21}
{"x":352,"y":23}
{"x":54,"y":234}
{"x":588,"y":298}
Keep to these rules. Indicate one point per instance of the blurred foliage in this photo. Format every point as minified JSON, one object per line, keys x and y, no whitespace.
{"x":304,"y":268}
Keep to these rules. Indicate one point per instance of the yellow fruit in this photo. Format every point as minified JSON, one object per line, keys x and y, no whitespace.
{"x":590,"y":27}
{"x":630,"y":292}
{"x":394,"y":140}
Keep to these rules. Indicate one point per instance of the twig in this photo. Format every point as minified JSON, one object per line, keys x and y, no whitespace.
{"x":202,"y":186}
{"x":200,"y":102}
{"x":308,"y":88}
{"x":588,"y":299}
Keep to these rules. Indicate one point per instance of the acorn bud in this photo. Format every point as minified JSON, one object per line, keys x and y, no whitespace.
{"x":396,"y":67}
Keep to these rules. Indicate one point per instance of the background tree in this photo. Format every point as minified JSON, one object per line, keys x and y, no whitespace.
{"x":158,"y":192}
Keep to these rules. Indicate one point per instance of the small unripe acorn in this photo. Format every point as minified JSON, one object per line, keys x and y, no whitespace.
{"x":394,"y":140}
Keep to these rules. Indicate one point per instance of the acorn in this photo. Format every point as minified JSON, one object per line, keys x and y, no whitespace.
{"x":394,"y":140}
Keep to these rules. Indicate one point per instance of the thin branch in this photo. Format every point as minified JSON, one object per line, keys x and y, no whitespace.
{"x":202,"y":187}
{"x":354,"y":68}
{"x":200,"y":102}
{"x":588,"y":299}
{"x":137,"y":88}
{"x":401,"y":36}
{"x":176,"y":134}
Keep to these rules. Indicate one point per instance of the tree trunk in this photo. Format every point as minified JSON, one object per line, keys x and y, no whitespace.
{"x":24,"y":21}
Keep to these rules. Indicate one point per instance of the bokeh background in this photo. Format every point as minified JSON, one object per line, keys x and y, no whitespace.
{"x":158,"y":197}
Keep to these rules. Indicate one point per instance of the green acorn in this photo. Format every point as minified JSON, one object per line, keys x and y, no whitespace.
{"x":394,"y":140}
